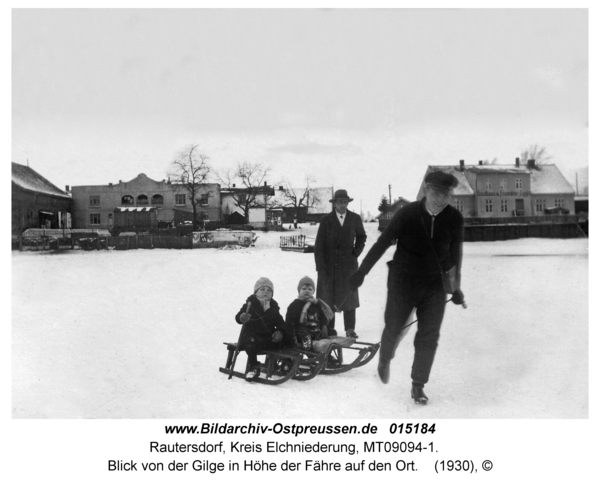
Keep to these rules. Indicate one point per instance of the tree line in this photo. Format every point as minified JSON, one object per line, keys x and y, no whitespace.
{"x":246,"y":183}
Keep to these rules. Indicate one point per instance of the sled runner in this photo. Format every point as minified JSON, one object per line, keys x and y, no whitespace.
{"x":285,"y":364}
{"x":279,"y":365}
{"x":335,"y":361}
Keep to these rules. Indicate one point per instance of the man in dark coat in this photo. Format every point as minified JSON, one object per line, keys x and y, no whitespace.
{"x":340,"y":241}
{"x":429,"y":236}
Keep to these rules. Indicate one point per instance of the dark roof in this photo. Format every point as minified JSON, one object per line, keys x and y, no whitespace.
{"x":28,"y":179}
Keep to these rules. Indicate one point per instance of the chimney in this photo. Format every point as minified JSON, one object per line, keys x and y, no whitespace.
{"x":233,"y":185}
{"x":462,"y":165}
{"x":109,"y":184}
{"x":480,"y":163}
{"x":265,"y":183}
{"x":517,"y":162}
{"x":531,"y":163}
{"x":281,"y":188}
{"x":67,"y":188}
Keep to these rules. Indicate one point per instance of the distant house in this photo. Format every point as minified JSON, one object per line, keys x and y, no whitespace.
{"x":384,"y":218}
{"x":258,"y":213}
{"x":504,"y":191}
{"x":314,"y":206}
{"x":94,"y":206}
{"x":36,"y":202}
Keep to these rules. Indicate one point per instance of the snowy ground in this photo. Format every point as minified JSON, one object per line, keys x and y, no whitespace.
{"x":139,"y":334}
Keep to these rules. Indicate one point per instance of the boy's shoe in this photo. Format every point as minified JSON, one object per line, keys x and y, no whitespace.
{"x":418,"y":395}
{"x":253,"y":373}
{"x":306,"y":343}
{"x":351,"y":333}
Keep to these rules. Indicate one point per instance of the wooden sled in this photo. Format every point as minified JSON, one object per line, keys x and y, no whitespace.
{"x":301,"y":365}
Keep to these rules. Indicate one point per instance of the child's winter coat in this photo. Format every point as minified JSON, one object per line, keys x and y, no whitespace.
{"x":310,"y":321}
{"x":257,"y":333}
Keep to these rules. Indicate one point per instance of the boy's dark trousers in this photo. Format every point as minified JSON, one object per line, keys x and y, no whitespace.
{"x":405,"y":292}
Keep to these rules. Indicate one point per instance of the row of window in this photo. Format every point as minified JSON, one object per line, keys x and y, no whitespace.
{"x":540,"y":205}
{"x":96,"y":219}
{"x":141,"y":200}
{"x":489,"y":184}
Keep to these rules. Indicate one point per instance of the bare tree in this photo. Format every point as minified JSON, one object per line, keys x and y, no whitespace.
{"x":246,"y":183}
{"x":190,"y":169}
{"x":536,"y":153}
{"x":299,"y":198}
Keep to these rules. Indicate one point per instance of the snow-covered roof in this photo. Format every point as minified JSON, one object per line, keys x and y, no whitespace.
{"x":464,"y":187}
{"x":547,"y":179}
{"x":29,"y":179}
{"x":319,"y":198}
{"x":497,"y":168}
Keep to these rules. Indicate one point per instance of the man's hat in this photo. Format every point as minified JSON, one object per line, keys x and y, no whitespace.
{"x":441,"y":180}
{"x":340,"y":195}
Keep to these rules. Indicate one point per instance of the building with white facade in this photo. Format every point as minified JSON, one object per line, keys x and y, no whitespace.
{"x":504,"y":191}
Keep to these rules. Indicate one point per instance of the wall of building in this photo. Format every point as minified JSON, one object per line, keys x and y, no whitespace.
{"x":26,"y":207}
{"x":567,"y":201}
{"x":102,"y":200}
{"x":497,"y":202}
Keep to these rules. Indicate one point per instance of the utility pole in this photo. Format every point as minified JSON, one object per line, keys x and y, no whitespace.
{"x":390,"y":189}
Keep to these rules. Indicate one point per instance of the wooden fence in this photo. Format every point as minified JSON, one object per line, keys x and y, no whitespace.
{"x":295,"y":243}
{"x":102,"y":243}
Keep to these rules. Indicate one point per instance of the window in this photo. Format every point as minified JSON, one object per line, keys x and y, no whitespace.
{"x":157,"y":200}
{"x":488,"y":184}
{"x":489,"y":206}
{"x":540,"y":205}
{"x":127,"y":200}
{"x":94,"y":218}
{"x":518,"y":183}
{"x":503,"y":206}
{"x":142,"y":200}
{"x":110,"y":219}
{"x":180,"y":199}
{"x":204,"y":199}
{"x":459,"y":205}
{"x":94,"y":201}
{"x":559,"y":202}
{"x":503,"y":184}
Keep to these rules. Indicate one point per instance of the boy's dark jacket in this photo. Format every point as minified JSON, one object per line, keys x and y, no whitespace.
{"x":318,"y":316}
{"x":263,"y":324}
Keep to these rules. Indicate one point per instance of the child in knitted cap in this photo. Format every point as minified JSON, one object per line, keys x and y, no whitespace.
{"x":263,"y":327}
{"x":309,"y":316}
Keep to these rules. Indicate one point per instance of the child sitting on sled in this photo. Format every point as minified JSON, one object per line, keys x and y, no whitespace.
{"x":309,"y":316}
{"x":263,"y":327}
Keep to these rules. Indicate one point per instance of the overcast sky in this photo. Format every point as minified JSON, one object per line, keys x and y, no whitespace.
{"x":359,"y":98}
